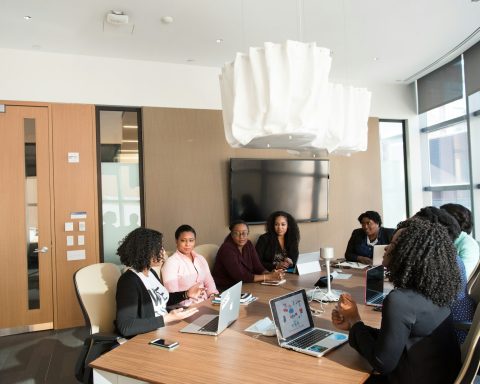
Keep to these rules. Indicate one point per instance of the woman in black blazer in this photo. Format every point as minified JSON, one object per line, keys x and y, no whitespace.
{"x":362,"y":240}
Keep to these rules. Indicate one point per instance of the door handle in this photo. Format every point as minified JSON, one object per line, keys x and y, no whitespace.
{"x":42,"y":250}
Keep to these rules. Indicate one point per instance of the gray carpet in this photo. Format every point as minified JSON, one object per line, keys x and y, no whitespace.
{"x":41,"y":357}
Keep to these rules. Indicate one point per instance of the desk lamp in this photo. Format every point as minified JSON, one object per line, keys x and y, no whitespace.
{"x":326,"y":254}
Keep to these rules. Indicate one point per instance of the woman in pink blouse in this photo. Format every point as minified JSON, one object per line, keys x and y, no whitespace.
{"x":186,"y":268}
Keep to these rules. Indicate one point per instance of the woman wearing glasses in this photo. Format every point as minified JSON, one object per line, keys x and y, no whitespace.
{"x":141,"y":299}
{"x":237,"y":260}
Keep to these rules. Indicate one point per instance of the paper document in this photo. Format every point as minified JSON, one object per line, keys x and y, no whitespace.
{"x":351,"y":264}
{"x":341,"y":276}
{"x":263,"y":326}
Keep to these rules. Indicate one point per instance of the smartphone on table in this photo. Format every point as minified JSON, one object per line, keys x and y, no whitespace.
{"x":164,"y":343}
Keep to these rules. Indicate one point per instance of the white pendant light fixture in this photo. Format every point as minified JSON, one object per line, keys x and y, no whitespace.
{"x":279,"y":96}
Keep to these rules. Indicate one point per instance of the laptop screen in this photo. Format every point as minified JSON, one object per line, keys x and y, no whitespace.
{"x":291,"y":313}
{"x":374,"y":284}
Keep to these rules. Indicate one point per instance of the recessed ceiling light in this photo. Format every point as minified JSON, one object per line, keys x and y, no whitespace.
{"x":167,"y":19}
{"x":376,"y":58}
{"x":27,"y":17}
{"x":190,"y":60}
{"x":219,"y":41}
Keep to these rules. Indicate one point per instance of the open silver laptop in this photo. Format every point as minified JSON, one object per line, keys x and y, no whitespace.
{"x":216,"y":324}
{"x":308,"y":263}
{"x":295,"y":328}
{"x":374,"y":292}
{"x":378,"y":252}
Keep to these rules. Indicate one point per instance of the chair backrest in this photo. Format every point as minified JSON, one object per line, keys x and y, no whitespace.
{"x":471,"y":352}
{"x":96,"y":286}
{"x":209,"y":251}
{"x":473,"y":278}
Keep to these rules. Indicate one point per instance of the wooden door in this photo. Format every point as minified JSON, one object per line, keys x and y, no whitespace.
{"x":25,"y":221}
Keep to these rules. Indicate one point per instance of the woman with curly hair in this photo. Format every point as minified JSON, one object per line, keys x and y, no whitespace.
{"x":278,"y":247}
{"x":141,"y":299}
{"x":416,"y":342}
{"x":467,"y":247}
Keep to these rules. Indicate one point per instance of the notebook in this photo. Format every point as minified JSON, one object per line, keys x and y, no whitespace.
{"x":215,"y":324}
{"x":295,"y":328}
{"x":378,"y":252}
{"x":374,"y":278}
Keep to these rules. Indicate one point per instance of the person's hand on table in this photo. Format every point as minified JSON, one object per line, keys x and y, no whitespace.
{"x":364,"y":260}
{"x":195,"y":291}
{"x":179,"y":314}
{"x":277,"y":274}
{"x":347,"y":308}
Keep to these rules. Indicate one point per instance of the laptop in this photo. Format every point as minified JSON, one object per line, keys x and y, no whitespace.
{"x":308,"y":263}
{"x":215,"y":324}
{"x":295,"y":328}
{"x":378,"y":252}
{"x":374,"y":293}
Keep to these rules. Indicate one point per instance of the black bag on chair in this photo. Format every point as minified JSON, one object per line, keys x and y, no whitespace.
{"x":93,"y":347}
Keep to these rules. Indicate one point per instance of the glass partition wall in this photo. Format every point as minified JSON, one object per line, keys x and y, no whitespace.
{"x":119,"y":154}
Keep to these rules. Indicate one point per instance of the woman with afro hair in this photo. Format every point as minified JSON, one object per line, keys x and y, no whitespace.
{"x":416,"y":342}
{"x":141,"y":299}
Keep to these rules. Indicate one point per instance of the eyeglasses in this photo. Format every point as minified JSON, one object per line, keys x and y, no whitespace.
{"x":239,"y":234}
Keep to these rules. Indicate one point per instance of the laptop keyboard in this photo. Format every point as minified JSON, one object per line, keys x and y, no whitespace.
{"x":310,"y":338}
{"x":211,"y":326}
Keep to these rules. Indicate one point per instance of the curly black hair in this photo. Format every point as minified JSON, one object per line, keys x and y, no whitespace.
{"x":440,"y":216}
{"x":138,"y":248}
{"x":423,"y":259}
{"x":372,"y":215}
{"x":462,"y":214}
{"x":292,"y":236}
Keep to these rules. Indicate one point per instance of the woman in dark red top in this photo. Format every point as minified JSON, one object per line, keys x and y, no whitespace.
{"x":237,"y":260}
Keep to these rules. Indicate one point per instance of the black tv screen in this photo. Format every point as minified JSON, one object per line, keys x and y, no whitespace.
{"x":259,"y":187}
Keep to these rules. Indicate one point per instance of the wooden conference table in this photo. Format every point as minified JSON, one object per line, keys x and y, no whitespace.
{"x":236,"y":356}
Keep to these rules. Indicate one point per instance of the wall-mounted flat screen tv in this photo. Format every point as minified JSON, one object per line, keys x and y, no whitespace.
{"x":259,"y":187}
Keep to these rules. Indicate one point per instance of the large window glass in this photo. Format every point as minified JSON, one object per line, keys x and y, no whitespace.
{"x":394,"y":191}
{"x":119,"y":132}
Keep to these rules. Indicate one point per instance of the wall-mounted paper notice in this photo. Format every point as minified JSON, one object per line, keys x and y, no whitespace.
{"x":73,"y":157}
{"x":68,"y":226}
{"x":76,"y":255}
{"x":81,"y":226}
{"x":78,"y":215}
{"x":81,"y":240}
{"x":70,"y":241}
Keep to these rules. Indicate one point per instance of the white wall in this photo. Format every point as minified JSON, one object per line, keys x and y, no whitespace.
{"x":51,"y":77}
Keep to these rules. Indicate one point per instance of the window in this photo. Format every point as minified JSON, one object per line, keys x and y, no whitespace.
{"x":394,"y":187}
{"x":120,"y":170}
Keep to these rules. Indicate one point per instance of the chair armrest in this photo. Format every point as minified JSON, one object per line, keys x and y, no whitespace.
{"x":462,"y":325}
{"x":101,"y":336}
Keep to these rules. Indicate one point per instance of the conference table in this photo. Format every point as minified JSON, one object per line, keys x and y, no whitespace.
{"x":238,"y":356}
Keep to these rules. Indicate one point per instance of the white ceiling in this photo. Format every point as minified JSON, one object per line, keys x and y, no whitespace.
{"x":405,"y":35}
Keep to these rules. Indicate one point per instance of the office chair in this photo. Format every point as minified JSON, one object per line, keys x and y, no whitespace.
{"x":470,"y":352}
{"x":209,"y":251}
{"x":96,"y":286}
{"x":473,"y":278}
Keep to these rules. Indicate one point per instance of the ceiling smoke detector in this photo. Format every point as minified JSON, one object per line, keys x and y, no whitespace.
{"x":117,"y":18}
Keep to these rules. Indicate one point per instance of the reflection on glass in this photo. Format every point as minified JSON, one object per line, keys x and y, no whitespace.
{"x":449,"y":160}
{"x":31,"y":210}
{"x":120,"y":178}
{"x":457,"y":197}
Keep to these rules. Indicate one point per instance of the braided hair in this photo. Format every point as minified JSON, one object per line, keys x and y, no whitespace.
{"x":424,"y":259}
{"x":138,"y":248}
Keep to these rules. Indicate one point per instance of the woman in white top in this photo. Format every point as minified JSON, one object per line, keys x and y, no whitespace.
{"x":141,"y":299}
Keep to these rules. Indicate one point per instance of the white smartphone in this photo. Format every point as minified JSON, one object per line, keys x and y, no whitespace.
{"x":164,"y":343}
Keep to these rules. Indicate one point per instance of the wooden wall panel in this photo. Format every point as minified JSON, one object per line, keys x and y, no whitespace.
{"x":186,"y":180}
{"x":75,"y":190}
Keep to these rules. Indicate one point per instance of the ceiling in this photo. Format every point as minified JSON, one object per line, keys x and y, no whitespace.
{"x":373,"y":41}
